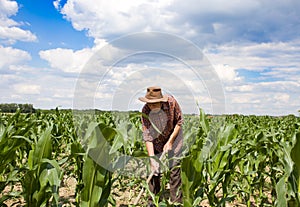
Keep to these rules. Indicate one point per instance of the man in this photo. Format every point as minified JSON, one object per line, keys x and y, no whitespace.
{"x":162,"y":131}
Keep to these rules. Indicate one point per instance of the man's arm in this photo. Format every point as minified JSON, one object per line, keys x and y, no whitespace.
{"x":150,"y":148}
{"x":169,"y":144}
{"x":153,"y":163}
{"x":179,"y":121}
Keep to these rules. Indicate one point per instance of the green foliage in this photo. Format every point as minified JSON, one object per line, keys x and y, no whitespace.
{"x":230,"y":159}
{"x":97,"y":180}
{"x":13,"y":144}
{"x":13,"y":107}
{"x":243,"y":159}
{"x":42,"y":180}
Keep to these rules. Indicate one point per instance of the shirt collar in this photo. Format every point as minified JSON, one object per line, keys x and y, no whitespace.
{"x":164,"y":106}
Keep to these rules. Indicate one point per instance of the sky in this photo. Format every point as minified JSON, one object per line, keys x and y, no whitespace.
{"x":227,"y":57}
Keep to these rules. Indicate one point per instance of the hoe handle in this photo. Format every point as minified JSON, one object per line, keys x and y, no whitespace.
{"x":147,"y":181}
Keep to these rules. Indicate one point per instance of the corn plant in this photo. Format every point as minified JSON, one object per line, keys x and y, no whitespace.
{"x":231,"y":161}
{"x":13,"y":144}
{"x":293,"y":175}
{"x":96,"y":179}
{"x":42,"y":180}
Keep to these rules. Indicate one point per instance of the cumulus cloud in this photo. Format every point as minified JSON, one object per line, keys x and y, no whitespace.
{"x":271,"y":85}
{"x":8,"y":8}
{"x":12,"y":34}
{"x":271,"y":61}
{"x":226,"y":73}
{"x":10,"y":56}
{"x":213,"y":21}
{"x":272,"y":98}
{"x":10,"y":30}
{"x":275,"y":60}
{"x":115,"y":17}
{"x":250,"y":20}
{"x":66,"y":60}
{"x":75,"y":61}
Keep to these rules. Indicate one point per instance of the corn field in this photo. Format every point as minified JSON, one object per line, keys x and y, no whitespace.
{"x":229,"y":160}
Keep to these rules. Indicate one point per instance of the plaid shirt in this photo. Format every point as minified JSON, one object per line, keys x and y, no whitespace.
{"x":157,"y":127}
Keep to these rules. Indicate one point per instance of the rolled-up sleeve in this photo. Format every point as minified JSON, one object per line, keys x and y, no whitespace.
{"x":178,"y":118}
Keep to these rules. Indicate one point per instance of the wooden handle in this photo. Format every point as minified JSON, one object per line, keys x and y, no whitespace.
{"x":147,"y":181}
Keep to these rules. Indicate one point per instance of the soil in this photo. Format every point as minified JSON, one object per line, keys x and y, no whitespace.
{"x":123,"y":198}
{"x":67,"y":195}
{"x":66,"y":192}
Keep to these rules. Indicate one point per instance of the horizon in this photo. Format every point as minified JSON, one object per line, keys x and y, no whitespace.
{"x":139,"y":110}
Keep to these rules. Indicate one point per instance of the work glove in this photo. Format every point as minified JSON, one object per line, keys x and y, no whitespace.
{"x":154,"y":166}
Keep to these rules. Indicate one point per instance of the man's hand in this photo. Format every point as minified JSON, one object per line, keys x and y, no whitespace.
{"x":168,"y":146}
{"x":154,"y":165}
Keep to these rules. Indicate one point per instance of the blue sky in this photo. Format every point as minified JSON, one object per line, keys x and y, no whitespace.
{"x":228,"y":56}
{"x":49,"y":26}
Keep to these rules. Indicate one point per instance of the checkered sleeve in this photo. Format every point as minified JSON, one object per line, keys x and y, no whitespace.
{"x":178,"y":118}
{"x":146,"y":125}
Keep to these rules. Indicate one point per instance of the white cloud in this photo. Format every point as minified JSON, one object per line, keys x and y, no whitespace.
{"x":244,"y":98}
{"x":240,"y":88}
{"x":10,"y":56}
{"x":280,"y":86}
{"x":270,"y":93}
{"x":26,"y":89}
{"x":272,"y":98}
{"x":278,"y":56}
{"x":213,"y":21}
{"x":118,"y":17}
{"x":57,"y":5}
{"x":8,"y":8}
{"x":282,"y":98}
{"x":22,"y":68}
{"x":260,"y":103}
{"x":66,"y":59}
{"x":274,"y":87}
{"x":10,"y":30}
{"x":14,"y":33}
{"x":285,"y":73}
{"x":226,"y":73}
{"x":41,"y":87}
{"x":250,"y":20}
{"x":74,"y":61}
{"x":242,"y":95}
{"x":6,"y":80}
{"x":202,"y":7}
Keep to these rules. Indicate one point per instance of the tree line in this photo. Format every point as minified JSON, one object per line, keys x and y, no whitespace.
{"x":13,"y":107}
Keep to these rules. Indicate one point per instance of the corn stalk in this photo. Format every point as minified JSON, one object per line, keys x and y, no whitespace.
{"x":42,"y":180}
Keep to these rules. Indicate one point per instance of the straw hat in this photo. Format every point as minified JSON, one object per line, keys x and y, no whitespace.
{"x":154,"y":95}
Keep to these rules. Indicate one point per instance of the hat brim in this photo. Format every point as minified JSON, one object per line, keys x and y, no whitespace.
{"x":163,"y":99}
